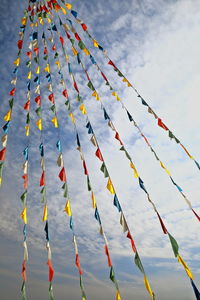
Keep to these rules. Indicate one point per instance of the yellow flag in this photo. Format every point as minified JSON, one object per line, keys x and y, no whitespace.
{"x":17,"y":62}
{"x":41,"y":20}
{"x":118,"y":297}
{"x":24,"y":21}
{"x":95,"y":43}
{"x":58,"y":64}
{"x":114,"y":94}
{"x":148,"y":287}
{"x":94,"y":204}
{"x":110,"y":187}
{"x":27,"y":128}
{"x":68,"y":5}
{"x":86,"y":51}
{"x":47,"y":69}
{"x":167,"y":171}
{"x":7,"y":116}
{"x":24,"y":216}
{"x":72,"y":117}
{"x":29,"y":75}
{"x":134,"y":170}
{"x":55,"y":121}
{"x":63,"y":10}
{"x":38,"y":70}
{"x":82,"y":109}
{"x":39,"y":124}
{"x":0,"y":181}
{"x":75,"y":52}
{"x":66,"y":57}
{"x":68,"y":208}
{"x":96,"y":95}
{"x":187,"y":270}
{"x":45,"y":213}
{"x":49,"y":20}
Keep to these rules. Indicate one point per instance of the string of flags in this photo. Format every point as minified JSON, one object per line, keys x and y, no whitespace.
{"x":130,"y":117}
{"x":44,"y":17}
{"x":98,"y":153}
{"x":60,"y":160}
{"x":150,"y":110}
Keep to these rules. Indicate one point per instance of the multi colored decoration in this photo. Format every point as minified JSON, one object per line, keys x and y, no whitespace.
{"x":49,"y":36}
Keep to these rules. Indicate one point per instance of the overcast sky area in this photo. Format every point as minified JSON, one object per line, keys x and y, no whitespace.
{"x":155,"y":43}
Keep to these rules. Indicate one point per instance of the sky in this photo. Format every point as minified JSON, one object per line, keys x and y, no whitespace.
{"x":156,"y":45}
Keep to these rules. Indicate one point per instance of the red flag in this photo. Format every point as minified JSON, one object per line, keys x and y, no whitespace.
{"x":84,"y":26}
{"x":132,"y":242}
{"x":3,"y":154}
{"x":25,"y":177}
{"x":62,"y":40}
{"x":42,"y":179}
{"x":27,"y":105}
{"x":104,"y":76}
{"x":54,"y":47}
{"x":51,"y":98}
{"x":36,"y":50}
{"x":77,"y":36}
{"x":118,"y":138}
{"x":51,"y":270}
{"x":68,"y":35}
{"x":108,"y":255}
{"x":32,"y":12}
{"x":196,"y":214}
{"x":78,"y":264}
{"x":24,"y":270}
{"x":65,"y":94}
{"x":12,"y":92}
{"x":45,"y":8}
{"x":162,"y":224}
{"x":57,"y":6}
{"x":19,"y":44}
{"x":38,"y":100}
{"x":145,"y":139}
{"x":85,"y":168}
{"x":76,"y":87}
{"x":29,"y":54}
{"x":98,"y":154}
{"x":62,"y":175}
{"x":88,"y":78}
{"x":29,"y":8}
{"x":161,"y":124}
{"x":49,"y":4}
{"x":45,"y":51}
{"x":112,"y":64}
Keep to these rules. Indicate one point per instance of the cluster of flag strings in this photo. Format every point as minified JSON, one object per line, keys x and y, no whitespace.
{"x":53,"y":19}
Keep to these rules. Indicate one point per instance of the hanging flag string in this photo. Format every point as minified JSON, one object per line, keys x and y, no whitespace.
{"x":39,"y":123}
{"x":60,"y":160}
{"x":25,"y":166}
{"x":79,"y":148}
{"x":8,"y":116}
{"x":99,"y":155}
{"x":160,"y":123}
{"x":110,"y":186}
{"x":107,"y":118}
{"x":140,"y":181}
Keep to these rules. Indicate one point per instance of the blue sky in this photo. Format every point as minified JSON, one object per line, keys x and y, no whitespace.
{"x":155,"y":43}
